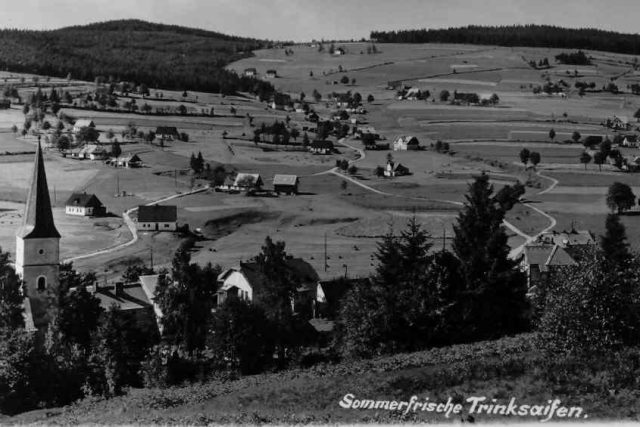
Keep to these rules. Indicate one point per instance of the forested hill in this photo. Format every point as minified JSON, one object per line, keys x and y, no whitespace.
{"x":165,"y":56}
{"x":519,"y":35}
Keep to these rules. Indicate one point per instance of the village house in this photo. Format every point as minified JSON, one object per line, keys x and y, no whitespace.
{"x":321,"y":147}
{"x":394,"y":169}
{"x":280,"y":101}
{"x":551,"y":250}
{"x":542,"y":258}
{"x":248,"y":181}
{"x":246,"y":282}
{"x":250,"y":72}
{"x":618,"y":123}
{"x":168,"y":133}
{"x":404,"y":143}
{"x":158,"y":218}
{"x":271,"y":74}
{"x":83,"y":123}
{"x":132,"y":303}
{"x":128,"y":161}
{"x":287,"y":184}
{"x":630,"y":141}
{"x":93,"y":152}
{"x":83,"y":204}
{"x":339,"y":51}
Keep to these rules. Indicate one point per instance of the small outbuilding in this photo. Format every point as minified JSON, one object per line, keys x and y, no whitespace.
{"x":250,"y":72}
{"x":271,"y":74}
{"x":287,"y":184}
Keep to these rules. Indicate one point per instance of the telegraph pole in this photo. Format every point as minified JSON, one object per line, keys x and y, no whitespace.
{"x":325,"y":251}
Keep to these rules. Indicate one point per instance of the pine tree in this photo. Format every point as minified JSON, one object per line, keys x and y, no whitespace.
{"x":494,"y":303}
{"x":279,"y":290}
{"x":200,"y":162}
{"x":614,"y":243}
{"x":193,"y":163}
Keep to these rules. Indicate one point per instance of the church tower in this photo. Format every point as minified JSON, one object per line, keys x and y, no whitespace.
{"x":38,"y":245}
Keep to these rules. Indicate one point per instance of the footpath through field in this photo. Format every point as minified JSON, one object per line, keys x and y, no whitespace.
{"x":514,"y":253}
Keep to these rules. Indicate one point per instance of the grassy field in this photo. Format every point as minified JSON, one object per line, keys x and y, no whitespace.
{"x":507,"y":368}
{"x":483,"y":139}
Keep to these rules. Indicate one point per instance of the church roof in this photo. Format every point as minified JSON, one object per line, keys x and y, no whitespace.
{"x":38,"y":217}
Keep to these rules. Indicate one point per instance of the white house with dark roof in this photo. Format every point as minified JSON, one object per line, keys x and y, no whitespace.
{"x":83,"y":204}
{"x":158,"y":218}
{"x":248,"y":181}
{"x":403,"y":143}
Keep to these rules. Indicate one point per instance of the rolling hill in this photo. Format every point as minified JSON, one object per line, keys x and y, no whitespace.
{"x":158,"y":55}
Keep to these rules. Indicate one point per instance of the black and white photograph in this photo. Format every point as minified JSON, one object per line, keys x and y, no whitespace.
{"x":325,"y":212}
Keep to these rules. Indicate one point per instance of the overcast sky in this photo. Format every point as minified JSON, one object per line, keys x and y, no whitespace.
{"x":303,"y":20}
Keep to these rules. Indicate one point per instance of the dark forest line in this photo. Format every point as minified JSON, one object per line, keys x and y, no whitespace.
{"x":519,"y":35}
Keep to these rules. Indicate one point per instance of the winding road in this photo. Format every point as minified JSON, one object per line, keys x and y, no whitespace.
{"x":514,"y":253}
{"x":132,"y":226}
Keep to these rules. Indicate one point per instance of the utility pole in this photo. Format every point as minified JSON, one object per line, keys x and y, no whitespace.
{"x":325,"y":251}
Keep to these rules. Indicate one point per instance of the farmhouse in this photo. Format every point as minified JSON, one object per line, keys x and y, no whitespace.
{"x":542,"y":258}
{"x":158,"y":218}
{"x":403,"y":143}
{"x":132,"y":302}
{"x":630,"y":141}
{"x":280,"y":101}
{"x":167,"y":132}
{"x":250,"y":72}
{"x":321,"y":147}
{"x":93,"y":152}
{"x":339,"y":51}
{"x":567,"y":238}
{"x":287,"y":184}
{"x":247,"y":283}
{"x":271,"y":74}
{"x":395,"y":169}
{"x":248,"y":181}
{"x":618,"y":122}
{"x":83,"y":204}
{"x":128,"y":161}
{"x":83,"y":123}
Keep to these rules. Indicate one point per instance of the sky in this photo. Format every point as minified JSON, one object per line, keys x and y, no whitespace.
{"x":305,"y":20}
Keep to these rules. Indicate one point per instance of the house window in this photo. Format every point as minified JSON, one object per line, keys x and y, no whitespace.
{"x":166,"y":226}
{"x":41,"y":251}
{"x":42,"y":283}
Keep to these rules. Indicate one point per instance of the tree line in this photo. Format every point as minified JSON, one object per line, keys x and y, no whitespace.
{"x":518,"y":35}
{"x":156,"y":55}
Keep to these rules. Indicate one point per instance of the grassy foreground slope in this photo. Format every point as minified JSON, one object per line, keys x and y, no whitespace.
{"x":501,"y":369}
{"x":166,"y":56}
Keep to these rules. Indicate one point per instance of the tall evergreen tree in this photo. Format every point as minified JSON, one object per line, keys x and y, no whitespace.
{"x":494,"y":301}
{"x":614,"y":243}
{"x":279,"y":290}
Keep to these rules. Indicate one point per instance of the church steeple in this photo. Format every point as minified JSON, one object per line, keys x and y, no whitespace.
{"x":38,"y":218}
